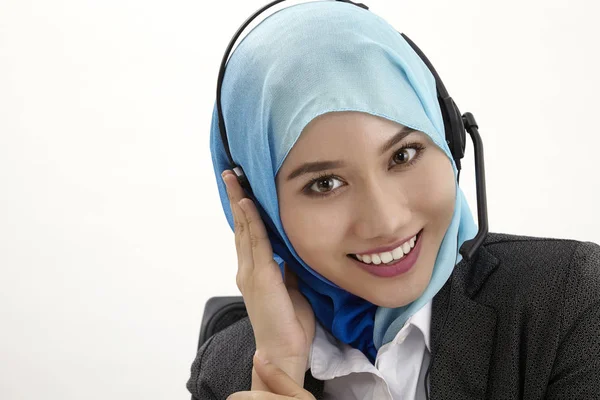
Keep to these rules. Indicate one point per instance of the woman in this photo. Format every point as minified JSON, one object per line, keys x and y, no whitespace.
{"x":336,"y":123}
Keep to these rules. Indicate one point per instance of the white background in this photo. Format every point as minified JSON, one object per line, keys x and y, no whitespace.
{"x":111,"y":232}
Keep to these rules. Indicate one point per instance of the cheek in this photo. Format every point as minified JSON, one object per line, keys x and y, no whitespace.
{"x":313,"y":231}
{"x":434,"y":189}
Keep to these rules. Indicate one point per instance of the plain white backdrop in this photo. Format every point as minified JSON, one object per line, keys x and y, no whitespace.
{"x":112,"y":236}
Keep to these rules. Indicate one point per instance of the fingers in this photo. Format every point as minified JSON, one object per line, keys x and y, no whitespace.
{"x":278,"y":381}
{"x":235,"y":194}
{"x":260,"y":245}
{"x":252,"y":242}
{"x":234,"y":189}
{"x":242,"y":245}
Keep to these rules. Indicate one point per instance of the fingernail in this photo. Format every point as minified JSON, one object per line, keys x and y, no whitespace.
{"x":260,"y":357}
{"x":225,"y":181}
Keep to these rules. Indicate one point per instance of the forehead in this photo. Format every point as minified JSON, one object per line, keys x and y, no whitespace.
{"x":337,"y":133}
{"x":348,"y":121}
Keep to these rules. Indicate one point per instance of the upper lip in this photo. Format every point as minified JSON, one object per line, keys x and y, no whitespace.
{"x":390,"y":247}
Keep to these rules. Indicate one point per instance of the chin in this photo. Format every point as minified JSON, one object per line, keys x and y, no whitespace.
{"x":394,"y":294}
{"x":390,"y":302}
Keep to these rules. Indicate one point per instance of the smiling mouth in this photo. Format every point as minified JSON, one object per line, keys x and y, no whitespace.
{"x":386,"y":268}
{"x":389,"y":257}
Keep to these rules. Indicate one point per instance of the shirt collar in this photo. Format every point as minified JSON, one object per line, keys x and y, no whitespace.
{"x":329,"y":358}
{"x":422,"y":320}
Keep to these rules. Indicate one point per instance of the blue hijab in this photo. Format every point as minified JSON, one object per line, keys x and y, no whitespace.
{"x":310,"y":59}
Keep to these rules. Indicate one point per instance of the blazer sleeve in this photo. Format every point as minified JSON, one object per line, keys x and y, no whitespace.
{"x":196,"y":385}
{"x":576,"y":370}
{"x":223,"y":364}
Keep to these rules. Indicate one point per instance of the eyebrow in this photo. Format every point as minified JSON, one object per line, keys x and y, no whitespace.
{"x":317,"y":166}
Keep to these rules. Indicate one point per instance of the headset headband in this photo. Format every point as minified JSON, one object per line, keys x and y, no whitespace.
{"x":455,"y":125}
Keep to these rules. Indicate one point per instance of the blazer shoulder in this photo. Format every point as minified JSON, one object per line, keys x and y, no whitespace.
{"x":560,"y":272}
{"x":542,"y":251}
{"x":547,"y":296}
{"x":582,"y":285}
{"x":493,"y":238}
{"x":223,"y":364}
{"x":530,"y":250}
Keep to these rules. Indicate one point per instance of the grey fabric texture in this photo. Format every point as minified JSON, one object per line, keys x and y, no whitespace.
{"x":522,"y":321}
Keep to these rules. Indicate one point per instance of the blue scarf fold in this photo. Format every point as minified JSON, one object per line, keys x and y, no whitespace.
{"x":304,"y":61}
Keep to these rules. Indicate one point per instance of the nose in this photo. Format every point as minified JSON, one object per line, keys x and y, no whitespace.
{"x":381,"y":211}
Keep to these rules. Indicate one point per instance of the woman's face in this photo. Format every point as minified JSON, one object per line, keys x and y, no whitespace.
{"x":374,"y":188}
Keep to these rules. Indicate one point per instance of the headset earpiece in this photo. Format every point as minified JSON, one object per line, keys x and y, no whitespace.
{"x":242,"y":178}
{"x":455,"y":129}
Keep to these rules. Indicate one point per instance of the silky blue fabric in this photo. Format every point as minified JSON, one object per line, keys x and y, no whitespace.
{"x":303,"y":61}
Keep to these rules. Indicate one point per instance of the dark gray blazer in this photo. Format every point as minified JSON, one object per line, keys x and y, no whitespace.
{"x":524,"y":323}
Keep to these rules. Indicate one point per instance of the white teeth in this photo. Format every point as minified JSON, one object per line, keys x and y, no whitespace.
{"x":398,"y":253}
{"x":386,"y":257}
{"x":389,"y":256}
{"x":406,"y":248}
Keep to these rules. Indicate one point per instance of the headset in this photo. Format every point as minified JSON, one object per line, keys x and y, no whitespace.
{"x":455,"y":125}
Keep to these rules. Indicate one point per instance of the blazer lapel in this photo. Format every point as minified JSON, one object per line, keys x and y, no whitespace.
{"x":462,"y":347}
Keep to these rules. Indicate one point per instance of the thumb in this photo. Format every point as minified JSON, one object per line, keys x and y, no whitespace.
{"x":278,"y":381}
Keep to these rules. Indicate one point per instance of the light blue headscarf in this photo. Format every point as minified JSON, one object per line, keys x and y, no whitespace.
{"x":304,"y":61}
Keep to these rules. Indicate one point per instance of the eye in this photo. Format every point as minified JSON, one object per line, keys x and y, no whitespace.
{"x":327,"y":184}
{"x":324,"y":184}
{"x":405,"y":155}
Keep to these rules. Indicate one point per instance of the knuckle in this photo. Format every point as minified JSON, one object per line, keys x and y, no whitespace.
{"x":239,"y":223}
{"x":256,"y":238}
{"x":254,"y":241}
{"x":239,"y":227}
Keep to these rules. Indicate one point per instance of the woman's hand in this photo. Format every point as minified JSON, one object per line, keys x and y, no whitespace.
{"x":281,"y":317}
{"x":279,"y":384}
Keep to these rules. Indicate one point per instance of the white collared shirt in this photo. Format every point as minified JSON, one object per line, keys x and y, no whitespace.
{"x":398,"y":373}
